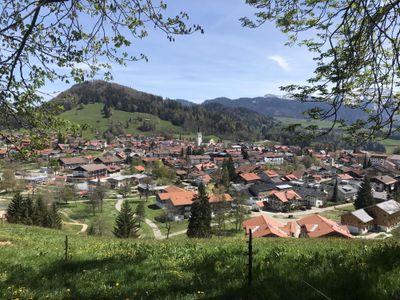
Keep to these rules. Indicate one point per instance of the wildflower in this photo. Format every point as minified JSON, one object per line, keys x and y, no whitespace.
{"x":117,"y":284}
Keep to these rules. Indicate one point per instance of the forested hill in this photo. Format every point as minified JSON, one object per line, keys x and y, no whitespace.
{"x":278,"y":107}
{"x":232,"y":123}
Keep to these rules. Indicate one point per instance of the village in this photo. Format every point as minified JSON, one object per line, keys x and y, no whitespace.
{"x":282,"y":191}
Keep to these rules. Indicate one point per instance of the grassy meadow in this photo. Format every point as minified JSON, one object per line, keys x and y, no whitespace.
{"x":91,"y":114}
{"x":33,"y":267}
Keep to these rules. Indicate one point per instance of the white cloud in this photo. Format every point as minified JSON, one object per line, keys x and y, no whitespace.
{"x":281,"y":61}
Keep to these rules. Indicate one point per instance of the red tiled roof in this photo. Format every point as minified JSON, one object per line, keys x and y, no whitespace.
{"x":213,"y":198}
{"x":318,"y":226}
{"x":139,"y":168}
{"x":286,"y":196}
{"x":250,"y":176}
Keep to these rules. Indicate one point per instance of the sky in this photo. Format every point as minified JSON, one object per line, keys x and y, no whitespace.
{"x":226,"y":61}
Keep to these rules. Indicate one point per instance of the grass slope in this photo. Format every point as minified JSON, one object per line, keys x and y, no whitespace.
{"x":101,"y":268}
{"x":91,"y":114}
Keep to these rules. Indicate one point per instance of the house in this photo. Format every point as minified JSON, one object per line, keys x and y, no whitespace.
{"x":90,"y":171}
{"x":118,"y":181}
{"x":178,"y":205}
{"x":168,"y":192}
{"x":261,"y":191}
{"x":378,"y":159}
{"x":198,"y":159}
{"x":284,"y":200}
{"x":69,"y":163}
{"x":315,"y":226}
{"x":384,"y":183}
{"x":96,"y":145}
{"x":108,"y":160}
{"x":346,"y":192}
{"x":264,"y":226}
{"x":358,"y":221}
{"x":273,"y":158}
{"x":270,"y":176}
{"x":249,"y":177}
{"x":386,"y":215}
{"x":139,"y":169}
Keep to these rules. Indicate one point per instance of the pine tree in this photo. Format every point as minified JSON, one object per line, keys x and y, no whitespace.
{"x":225,"y":180}
{"x":140,"y":212}
{"x":366,"y":162}
{"x":40,"y":213}
{"x":335,"y":191}
{"x":396,"y":192}
{"x":200,"y":216}
{"x":231,"y":169}
{"x":15,"y":209}
{"x":125,"y":224}
{"x":55,"y":217}
{"x":27,"y":211}
{"x":364,"y":195}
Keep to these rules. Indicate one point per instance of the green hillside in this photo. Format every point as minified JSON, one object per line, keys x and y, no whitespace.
{"x":91,"y":114}
{"x":33,"y":267}
{"x":225,"y":122}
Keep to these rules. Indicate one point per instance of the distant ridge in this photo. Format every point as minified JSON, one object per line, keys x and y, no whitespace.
{"x":276,"y":106}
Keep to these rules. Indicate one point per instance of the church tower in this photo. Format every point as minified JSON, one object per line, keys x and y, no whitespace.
{"x":199,"y":137}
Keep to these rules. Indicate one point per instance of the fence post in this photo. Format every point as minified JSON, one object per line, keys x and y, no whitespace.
{"x":66,"y":247}
{"x":250,"y":254}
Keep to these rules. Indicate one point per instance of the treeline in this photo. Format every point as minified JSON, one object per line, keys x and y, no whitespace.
{"x":24,"y":210}
{"x":238,"y":124}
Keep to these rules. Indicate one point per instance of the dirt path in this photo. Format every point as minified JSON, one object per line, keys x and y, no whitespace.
{"x":75,"y":222}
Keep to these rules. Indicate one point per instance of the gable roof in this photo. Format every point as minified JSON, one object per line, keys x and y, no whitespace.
{"x":92,"y":167}
{"x":385,"y":179}
{"x":179,"y":198}
{"x":390,"y":206}
{"x":249,"y":176}
{"x":213,"y":198}
{"x":285,"y":196}
{"x":319,"y":226}
{"x":362,"y":215}
{"x":74,"y":160}
{"x":264,"y":226}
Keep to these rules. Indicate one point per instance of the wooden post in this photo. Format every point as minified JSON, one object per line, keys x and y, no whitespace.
{"x":250,"y":253}
{"x":66,"y":247}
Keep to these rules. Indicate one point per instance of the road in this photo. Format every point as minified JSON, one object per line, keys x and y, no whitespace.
{"x":75,"y":222}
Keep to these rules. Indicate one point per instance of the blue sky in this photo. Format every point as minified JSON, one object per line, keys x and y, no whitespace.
{"x":227,"y":60}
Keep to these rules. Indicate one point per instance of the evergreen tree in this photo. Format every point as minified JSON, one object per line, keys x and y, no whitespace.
{"x":225,"y":180}
{"x":125,"y":224}
{"x":140,"y":212}
{"x":364,"y":195}
{"x":396,"y":192}
{"x":231,"y":169}
{"x":55,"y":219}
{"x":15,"y":209}
{"x":40,"y":213}
{"x":335,"y":191}
{"x":27,"y":211}
{"x":200,"y":216}
{"x":366,"y":162}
